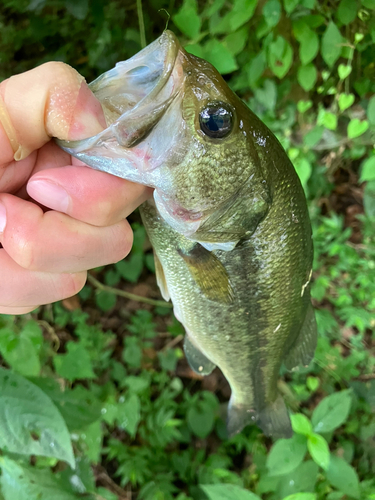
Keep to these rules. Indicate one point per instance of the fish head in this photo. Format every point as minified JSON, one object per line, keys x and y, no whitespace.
{"x":173,"y":124}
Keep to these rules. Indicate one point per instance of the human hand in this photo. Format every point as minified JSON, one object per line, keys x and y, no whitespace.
{"x":46,"y":254}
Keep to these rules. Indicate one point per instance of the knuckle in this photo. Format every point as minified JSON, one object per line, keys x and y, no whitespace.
{"x":122,"y":241}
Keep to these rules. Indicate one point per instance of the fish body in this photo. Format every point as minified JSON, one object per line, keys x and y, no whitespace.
{"x":228,"y":222}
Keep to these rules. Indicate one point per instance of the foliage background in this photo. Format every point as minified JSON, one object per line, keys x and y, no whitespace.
{"x":104,"y":376}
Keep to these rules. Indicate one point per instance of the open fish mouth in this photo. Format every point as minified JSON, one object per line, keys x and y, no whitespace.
{"x":134,"y":96}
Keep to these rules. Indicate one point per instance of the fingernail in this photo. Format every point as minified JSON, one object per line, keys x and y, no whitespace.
{"x":3,"y":218}
{"x":49,"y":194}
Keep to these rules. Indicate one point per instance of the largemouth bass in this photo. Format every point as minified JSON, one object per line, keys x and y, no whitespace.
{"x":228,"y":221}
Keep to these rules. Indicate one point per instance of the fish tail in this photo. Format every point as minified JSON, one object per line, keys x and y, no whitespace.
{"x":239,"y":416}
{"x":274,"y":419}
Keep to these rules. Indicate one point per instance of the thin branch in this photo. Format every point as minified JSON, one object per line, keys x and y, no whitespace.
{"x":121,"y":293}
{"x":173,"y":342}
{"x":141,"y":21}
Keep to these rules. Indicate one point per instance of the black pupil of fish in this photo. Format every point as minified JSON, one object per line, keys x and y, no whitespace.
{"x":216,"y":120}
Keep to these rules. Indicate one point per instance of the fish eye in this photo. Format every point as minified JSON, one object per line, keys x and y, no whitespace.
{"x":216,"y":120}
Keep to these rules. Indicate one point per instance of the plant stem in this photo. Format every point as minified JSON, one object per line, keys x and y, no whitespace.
{"x":121,"y":293}
{"x":141,"y":21}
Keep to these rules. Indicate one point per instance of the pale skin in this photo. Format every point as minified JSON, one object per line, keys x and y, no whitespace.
{"x":46,"y":253}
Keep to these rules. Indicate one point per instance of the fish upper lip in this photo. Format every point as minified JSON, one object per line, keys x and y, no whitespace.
{"x":151,"y":105}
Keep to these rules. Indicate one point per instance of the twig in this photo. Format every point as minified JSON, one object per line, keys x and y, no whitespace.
{"x":173,"y":342}
{"x":127,"y":295}
{"x":51,"y":331}
{"x":102,"y":475}
{"x":141,"y":21}
{"x":365,"y":377}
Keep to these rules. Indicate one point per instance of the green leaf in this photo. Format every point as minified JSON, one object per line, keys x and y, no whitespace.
{"x":304,"y":106}
{"x":129,"y":414}
{"x":75,"y":364}
{"x":331,"y":44}
{"x":30,"y":424}
{"x":219,"y":56}
{"x":327,"y":119}
{"x":301,"y":496}
{"x":319,"y":450}
{"x":187,"y":19}
{"x":303,"y":478}
{"x":21,"y":482}
{"x":342,"y":476}
{"x":21,"y":350}
{"x":78,"y":407}
{"x":92,"y":441}
{"x":235,"y":42}
{"x":344,"y":71}
{"x":272,"y":12}
{"x":309,"y":46}
{"x":332,"y":411}
{"x":227,"y":492}
{"x":79,"y":9}
{"x":280,"y":56}
{"x":105,"y":300}
{"x":347,"y":11}
{"x":345,"y":101}
{"x":131,"y":268}
{"x":357,"y":127}
{"x":369,"y":4}
{"x":290,"y":5}
{"x":201,"y":420}
{"x":256,"y":68}
{"x":368,"y":170}
{"x":369,"y":199}
{"x":371,"y":110}
{"x":307,"y":76}
{"x":301,"y":424}
{"x":241,"y":13}
{"x":286,"y":455}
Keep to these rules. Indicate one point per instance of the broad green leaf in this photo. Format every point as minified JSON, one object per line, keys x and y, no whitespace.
{"x":79,"y":9}
{"x":347,"y":11}
{"x":21,"y":483}
{"x":368,"y":170}
{"x":331,"y":44}
{"x":242,"y":12}
{"x":272,"y":12}
{"x":105,"y":300}
{"x":319,"y":450}
{"x":304,"y":106}
{"x":227,"y":492}
{"x":301,"y":496}
{"x":30,"y":424}
{"x":220,"y":57}
{"x":304,"y":169}
{"x":78,"y":407}
{"x":371,"y":110}
{"x":342,"y":476}
{"x":290,"y":5}
{"x":131,"y":268}
{"x":256,"y":68}
{"x":75,"y":364}
{"x":187,"y":19}
{"x":309,"y":46}
{"x":129,"y":414}
{"x":369,"y":4}
{"x":332,"y":411}
{"x":357,"y":127}
{"x":201,"y":420}
{"x":369,"y":199}
{"x":91,"y":439}
{"x":303,"y":478}
{"x":345,"y":101}
{"x":327,"y":119}
{"x":344,"y":71}
{"x":301,"y":424}
{"x":280,"y":56}
{"x":286,"y":455}
{"x":307,"y":76}
{"x":235,"y":42}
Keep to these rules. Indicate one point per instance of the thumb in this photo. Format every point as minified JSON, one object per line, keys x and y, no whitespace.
{"x":52,"y":100}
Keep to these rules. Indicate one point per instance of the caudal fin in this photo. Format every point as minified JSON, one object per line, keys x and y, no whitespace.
{"x":273,"y":419}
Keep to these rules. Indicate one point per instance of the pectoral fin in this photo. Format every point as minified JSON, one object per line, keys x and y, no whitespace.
{"x":196,"y":359}
{"x":302,"y":351}
{"x":160,"y":279}
{"x":209,"y":274}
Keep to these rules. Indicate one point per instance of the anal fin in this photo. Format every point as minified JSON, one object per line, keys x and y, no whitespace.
{"x":302,"y":351}
{"x":196,"y":359}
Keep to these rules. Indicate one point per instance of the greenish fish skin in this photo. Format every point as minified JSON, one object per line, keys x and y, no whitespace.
{"x":230,"y":230}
